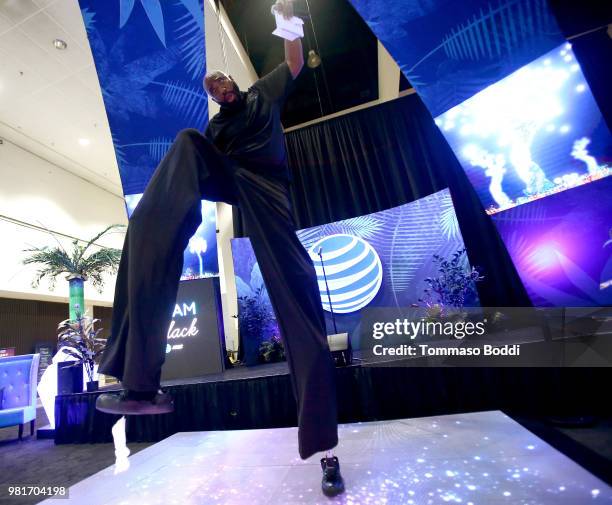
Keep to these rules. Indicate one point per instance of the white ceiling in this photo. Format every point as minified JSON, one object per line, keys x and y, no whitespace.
{"x":49,"y":99}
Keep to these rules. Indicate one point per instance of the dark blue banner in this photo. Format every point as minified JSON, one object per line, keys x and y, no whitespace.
{"x":150,"y":60}
{"x":450,"y":50}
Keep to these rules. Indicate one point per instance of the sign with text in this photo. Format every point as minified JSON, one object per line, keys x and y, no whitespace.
{"x":195,"y":344}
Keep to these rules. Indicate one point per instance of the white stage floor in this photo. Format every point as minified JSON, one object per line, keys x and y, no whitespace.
{"x":482,"y":458}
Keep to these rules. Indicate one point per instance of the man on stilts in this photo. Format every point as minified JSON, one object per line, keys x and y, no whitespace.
{"x":241,"y":160}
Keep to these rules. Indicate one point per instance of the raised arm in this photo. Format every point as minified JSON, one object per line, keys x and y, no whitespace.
{"x":294,"y":55}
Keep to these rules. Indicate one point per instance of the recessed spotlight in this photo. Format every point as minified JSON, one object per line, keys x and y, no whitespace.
{"x":84,"y":142}
{"x":59,"y":44}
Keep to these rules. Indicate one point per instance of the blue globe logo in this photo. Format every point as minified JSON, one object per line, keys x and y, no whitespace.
{"x":353,"y":271}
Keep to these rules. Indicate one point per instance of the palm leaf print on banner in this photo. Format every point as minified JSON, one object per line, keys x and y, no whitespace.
{"x":498,"y":30}
{"x":188,"y":101}
{"x":365,"y":227}
{"x":412,"y":239}
{"x":190,"y":33}
{"x":448,"y":218}
{"x":153,"y":11}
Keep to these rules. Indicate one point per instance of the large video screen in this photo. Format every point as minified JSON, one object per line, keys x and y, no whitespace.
{"x":562,"y":246}
{"x":376,"y":260}
{"x":200,"y":257}
{"x":534,"y":133}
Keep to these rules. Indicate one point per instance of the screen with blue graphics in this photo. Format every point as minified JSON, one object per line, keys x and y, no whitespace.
{"x":200,"y":256}
{"x":534,"y":133}
{"x":562,"y":246}
{"x":376,"y":260}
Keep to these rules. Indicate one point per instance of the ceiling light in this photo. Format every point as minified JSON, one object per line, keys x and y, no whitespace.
{"x":314,"y":60}
{"x":60,"y":44}
{"x":84,"y":142}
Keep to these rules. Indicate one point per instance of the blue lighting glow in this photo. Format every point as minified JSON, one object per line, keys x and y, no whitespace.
{"x":200,"y":255}
{"x":532,"y":134}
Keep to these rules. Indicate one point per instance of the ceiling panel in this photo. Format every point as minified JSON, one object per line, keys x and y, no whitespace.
{"x":15,"y":84}
{"x":31,"y":56}
{"x":44,"y":3}
{"x":64,"y":13}
{"x":79,"y":95}
{"x":5,"y":24}
{"x":89,"y":77}
{"x":43,"y":30}
{"x":49,"y":99}
{"x":18,"y":10}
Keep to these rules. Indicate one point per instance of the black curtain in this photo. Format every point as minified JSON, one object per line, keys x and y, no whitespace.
{"x":365,"y":393}
{"x":593,"y":50}
{"x":385,"y":156}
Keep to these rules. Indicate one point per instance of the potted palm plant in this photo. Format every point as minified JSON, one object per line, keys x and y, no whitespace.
{"x":79,"y":267}
{"x":80,"y":340}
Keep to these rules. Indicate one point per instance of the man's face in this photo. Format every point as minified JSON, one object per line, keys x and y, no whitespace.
{"x":223,"y":90}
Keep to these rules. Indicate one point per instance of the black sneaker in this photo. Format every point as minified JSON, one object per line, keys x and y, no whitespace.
{"x":129,"y":403}
{"x":332,"y":483}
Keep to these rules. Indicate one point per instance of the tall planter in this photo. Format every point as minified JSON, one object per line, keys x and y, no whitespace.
{"x":79,"y":266}
{"x":77,"y":295}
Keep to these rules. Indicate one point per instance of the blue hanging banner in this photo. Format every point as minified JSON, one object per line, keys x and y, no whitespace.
{"x":150,"y":59}
{"x":450,"y":50}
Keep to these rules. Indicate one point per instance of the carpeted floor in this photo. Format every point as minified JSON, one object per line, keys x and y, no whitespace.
{"x":42,"y":463}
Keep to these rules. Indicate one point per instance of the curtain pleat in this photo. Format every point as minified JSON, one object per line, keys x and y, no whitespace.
{"x":364,"y":394}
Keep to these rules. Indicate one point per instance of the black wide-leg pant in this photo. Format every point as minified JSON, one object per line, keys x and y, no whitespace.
{"x":152,"y":261}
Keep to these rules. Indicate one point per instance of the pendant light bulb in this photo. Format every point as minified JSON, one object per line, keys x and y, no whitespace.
{"x":314,"y":60}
